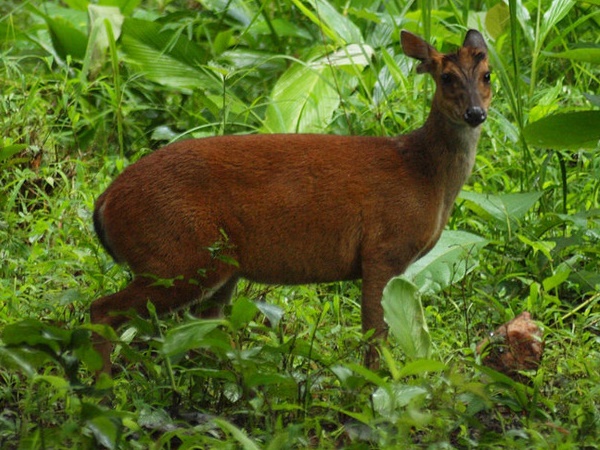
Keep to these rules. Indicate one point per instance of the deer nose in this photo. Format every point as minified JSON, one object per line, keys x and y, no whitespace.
{"x":475,"y":115}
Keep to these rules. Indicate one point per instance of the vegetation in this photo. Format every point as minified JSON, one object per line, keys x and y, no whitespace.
{"x":89,"y":87}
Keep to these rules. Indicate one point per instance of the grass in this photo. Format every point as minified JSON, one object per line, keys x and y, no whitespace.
{"x":282,"y":369}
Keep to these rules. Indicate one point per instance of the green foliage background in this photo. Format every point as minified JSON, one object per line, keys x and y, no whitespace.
{"x":89,"y":87}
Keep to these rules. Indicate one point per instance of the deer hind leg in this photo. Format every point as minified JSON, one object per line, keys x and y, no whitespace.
{"x":164,"y":296}
{"x":211,"y":307}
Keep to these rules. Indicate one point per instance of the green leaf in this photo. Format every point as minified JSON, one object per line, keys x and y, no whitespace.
{"x":403,"y":312}
{"x":58,"y":383}
{"x":66,"y":39}
{"x":126,"y":6}
{"x":580,"y":129}
{"x":421,"y":366}
{"x":9,"y":151}
{"x":188,"y":336}
{"x":105,"y":430}
{"x":583,"y":54}
{"x":497,"y":19}
{"x":223,"y":41}
{"x":369,"y":375}
{"x":67,"y":28}
{"x":238,"y":434}
{"x":560,"y":275}
{"x":505,"y":208}
{"x":593,"y":99}
{"x":545,"y":247}
{"x":89,"y":356}
{"x":522,"y":16}
{"x":239,"y":10}
{"x":23,"y":359}
{"x":453,"y":257}
{"x":253,"y":59}
{"x":272,"y":312}
{"x":300,"y":347}
{"x":242,"y":312}
{"x":98,"y":42}
{"x":303,"y":100}
{"x":353,"y":56}
{"x":306,"y":96}
{"x":334,"y":25}
{"x":555,"y":12}
{"x":387,"y":401}
{"x":35,"y":333}
{"x":78,"y":4}
{"x":282,"y":28}
{"x":283,"y":382}
{"x":166,"y":58}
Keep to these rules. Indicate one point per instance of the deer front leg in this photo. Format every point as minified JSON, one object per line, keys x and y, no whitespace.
{"x":375,"y":278}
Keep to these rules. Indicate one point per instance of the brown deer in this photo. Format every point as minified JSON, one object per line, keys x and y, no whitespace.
{"x":294,"y":208}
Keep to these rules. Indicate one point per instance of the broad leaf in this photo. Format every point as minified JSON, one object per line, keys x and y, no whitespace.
{"x":583,"y":54}
{"x":240,"y":10}
{"x":272,"y":312}
{"x":503,"y":209}
{"x":497,"y":19}
{"x":106,"y":430}
{"x":58,"y":383}
{"x":37,"y":334}
{"x":126,"y":6}
{"x":403,"y":312}
{"x":388,"y":402}
{"x":421,"y":366}
{"x":9,"y":151}
{"x":23,"y":358}
{"x":100,"y":17}
{"x":30,"y":339}
{"x":66,"y":29}
{"x":67,"y":40}
{"x":544,"y":247}
{"x":453,"y":257}
{"x":165,"y":57}
{"x":303,"y":100}
{"x":580,"y":129}
{"x":77,"y":4}
{"x":280,"y":380}
{"x":238,"y":434}
{"x":336,"y":26}
{"x":559,"y":276}
{"x":253,"y":59}
{"x":188,"y":336}
{"x":242,"y":312}
{"x":555,"y":12}
{"x":282,"y":27}
{"x":306,"y":96}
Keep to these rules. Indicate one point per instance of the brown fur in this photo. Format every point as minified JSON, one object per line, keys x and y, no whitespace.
{"x":292,"y":209}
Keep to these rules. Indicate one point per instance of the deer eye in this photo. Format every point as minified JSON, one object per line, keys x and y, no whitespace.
{"x":446,"y":78}
{"x":487,"y":77}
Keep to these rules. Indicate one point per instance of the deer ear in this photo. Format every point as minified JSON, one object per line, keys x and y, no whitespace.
{"x":474,"y":39}
{"x":417,"y":48}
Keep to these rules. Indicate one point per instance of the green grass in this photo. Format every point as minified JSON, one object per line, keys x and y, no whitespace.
{"x":283,"y":368}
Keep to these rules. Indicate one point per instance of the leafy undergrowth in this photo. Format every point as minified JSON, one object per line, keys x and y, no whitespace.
{"x":288,"y":375}
{"x":283,"y":367}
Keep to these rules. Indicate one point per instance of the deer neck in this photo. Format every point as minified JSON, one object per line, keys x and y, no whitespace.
{"x":447,"y":152}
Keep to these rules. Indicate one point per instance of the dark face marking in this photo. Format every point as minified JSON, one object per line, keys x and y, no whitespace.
{"x":463,"y":81}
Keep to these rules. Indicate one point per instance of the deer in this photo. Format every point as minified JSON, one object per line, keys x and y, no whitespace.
{"x":293,"y":209}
